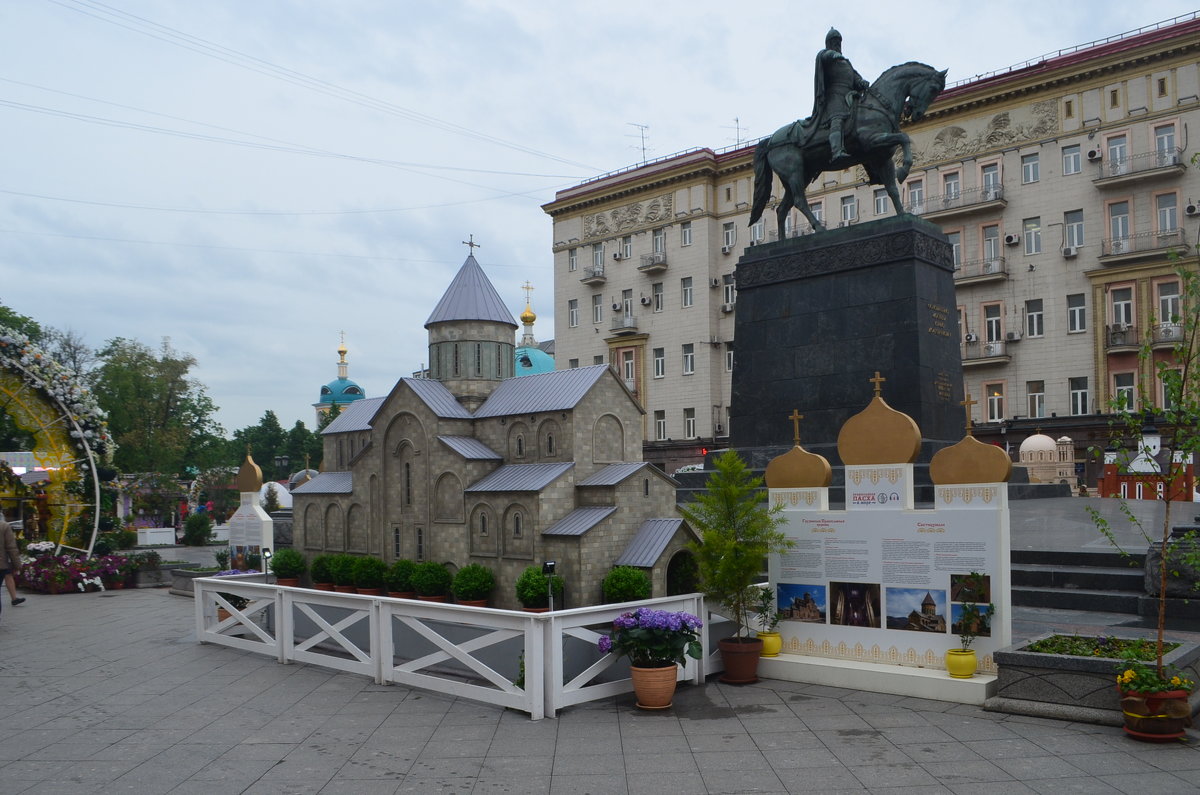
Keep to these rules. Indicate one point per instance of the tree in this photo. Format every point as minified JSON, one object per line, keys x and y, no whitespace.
{"x":265,"y":441}
{"x":26,"y":325}
{"x":303,"y":444}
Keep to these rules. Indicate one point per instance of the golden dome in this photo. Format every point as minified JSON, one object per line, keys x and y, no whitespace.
{"x":970,"y":461}
{"x":879,"y":435}
{"x":798,"y":469}
{"x":249,"y":477}
{"x":527,"y":317}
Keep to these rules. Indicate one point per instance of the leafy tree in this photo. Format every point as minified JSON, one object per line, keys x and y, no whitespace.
{"x":14,"y":320}
{"x":302,"y":443}
{"x":334,"y":412}
{"x":265,"y":441}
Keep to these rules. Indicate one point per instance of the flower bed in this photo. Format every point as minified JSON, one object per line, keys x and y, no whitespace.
{"x":50,"y":573}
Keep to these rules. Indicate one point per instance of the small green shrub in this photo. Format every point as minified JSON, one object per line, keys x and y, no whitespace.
{"x":105,"y":544}
{"x":222,"y":557}
{"x":126,"y":539}
{"x":626,"y":584}
{"x":288,"y":563}
{"x":473,"y":582}
{"x":369,"y":572}
{"x":342,"y":569}
{"x":320,"y":569}
{"x":197,"y":529}
{"x":531,"y":587}
{"x":252,"y":562}
{"x":399,"y":576}
{"x":431,"y":579}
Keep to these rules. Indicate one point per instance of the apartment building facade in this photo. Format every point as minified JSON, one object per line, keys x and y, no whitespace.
{"x":1064,"y":185}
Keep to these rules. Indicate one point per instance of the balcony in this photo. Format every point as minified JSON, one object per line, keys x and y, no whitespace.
{"x":1166,"y":336}
{"x":1143,"y":166}
{"x":1143,"y":245}
{"x":967,"y":202}
{"x":594,"y":274}
{"x":653,"y":263}
{"x":1121,"y":337}
{"x":624,"y":324}
{"x":976,"y":353}
{"x":977,"y":271}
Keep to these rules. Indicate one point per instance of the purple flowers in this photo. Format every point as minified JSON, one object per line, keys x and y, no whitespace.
{"x":654,"y":638}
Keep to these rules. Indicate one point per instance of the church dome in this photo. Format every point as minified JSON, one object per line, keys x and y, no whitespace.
{"x":341,"y":390}
{"x":1038,"y":443}
{"x":532,"y":360}
{"x":528,"y":317}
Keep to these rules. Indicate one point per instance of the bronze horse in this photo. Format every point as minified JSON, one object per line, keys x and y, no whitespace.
{"x":873,"y":133}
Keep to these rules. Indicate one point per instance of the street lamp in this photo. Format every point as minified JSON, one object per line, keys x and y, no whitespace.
{"x":548,"y":570}
{"x":281,"y":463}
{"x":266,"y":557}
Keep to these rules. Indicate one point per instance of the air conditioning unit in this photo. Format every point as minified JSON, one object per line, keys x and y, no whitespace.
{"x":616,"y":307}
{"x":1013,"y":336}
{"x":1012,"y":240}
{"x":991,"y":266}
{"x":617,"y":255}
{"x":1191,"y":209}
{"x":714,"y":283}
{"x":727,"y":308}
{"x":718,"y":430}
{"x":726,"y":249}
{"x":645,"y":300}
{"x":1095,"y":155}
{"x":993,"y":349}
{"x":971,"y":337}
{"x":1070,"y":251}
{"x":991,"y":194}
{"x":1120,"y":246}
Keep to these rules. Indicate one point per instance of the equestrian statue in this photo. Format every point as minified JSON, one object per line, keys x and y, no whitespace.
{"x":853,"y":123}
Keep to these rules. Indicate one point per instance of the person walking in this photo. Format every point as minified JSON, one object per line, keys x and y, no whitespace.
{"x":10,"y":557}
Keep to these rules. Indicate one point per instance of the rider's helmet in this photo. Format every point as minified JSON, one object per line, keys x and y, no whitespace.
{"x":831,"y":37}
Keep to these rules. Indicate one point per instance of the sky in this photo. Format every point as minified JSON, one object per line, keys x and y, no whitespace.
{"x":253,"y":179}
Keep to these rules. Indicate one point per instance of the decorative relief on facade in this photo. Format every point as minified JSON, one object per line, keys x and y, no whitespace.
{"x":630,"y":216}
{"x":794,"y":497}
{"x":1010,"y":128}
{"x":967,"y":495}
{"x":911,"y":657}
{"x":874,"y":475}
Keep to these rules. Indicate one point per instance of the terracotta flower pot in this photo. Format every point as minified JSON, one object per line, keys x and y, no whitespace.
{"x":322,"y":586}
{"x":402,"y":594}
{"x":741,"y":660}
{"x":370,"y":591}
{"x":222,"y":614}
{"x":536,"y":609}
{"x":961,"y":663}
{"x":1156,"y":717}
{"x":472,"y":602}
{"x":654,"y":687}
{"x":288,"y":582}
{"x":345,"y":589}
{"x":431,"y":598}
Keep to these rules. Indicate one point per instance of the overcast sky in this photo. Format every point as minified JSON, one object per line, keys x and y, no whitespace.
{"x":250,"y":179}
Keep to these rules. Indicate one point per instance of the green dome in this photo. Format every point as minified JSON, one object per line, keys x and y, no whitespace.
{"x":341,"y":391}
{"x":532,"y":360}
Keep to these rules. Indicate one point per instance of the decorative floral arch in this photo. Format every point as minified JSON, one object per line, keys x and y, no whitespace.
{"x":70,"y":434}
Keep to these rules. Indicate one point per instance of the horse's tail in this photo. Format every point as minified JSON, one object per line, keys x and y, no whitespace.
{"x":762,"y":180}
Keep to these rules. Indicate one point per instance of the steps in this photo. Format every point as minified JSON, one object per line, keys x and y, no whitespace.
{"x":1103,"y":582}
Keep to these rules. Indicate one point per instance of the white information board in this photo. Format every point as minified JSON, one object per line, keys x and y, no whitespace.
{"x":250,"y":529}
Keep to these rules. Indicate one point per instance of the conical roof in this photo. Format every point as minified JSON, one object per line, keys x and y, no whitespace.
{"x":470,"y":296}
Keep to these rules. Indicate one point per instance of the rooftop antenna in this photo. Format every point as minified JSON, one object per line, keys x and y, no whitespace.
{"x":738,"y":132}
{"x":642,"y":133}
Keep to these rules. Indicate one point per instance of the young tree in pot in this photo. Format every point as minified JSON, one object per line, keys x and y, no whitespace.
{"x":767,"y":613}
{"x":626,"y":584}
{"x":289,"y":566}
{"x":737,"y":532}
{"x":431,"y":581}
{"x":399,"y":579}
{"x":320,"y":574}
{"x":473,"y":584}
{"x":369,"y":574}
{"x":533,"y":588}
{"x":973,"y":621}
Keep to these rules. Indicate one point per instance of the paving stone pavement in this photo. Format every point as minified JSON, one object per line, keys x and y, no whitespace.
{"x":111,"y":693}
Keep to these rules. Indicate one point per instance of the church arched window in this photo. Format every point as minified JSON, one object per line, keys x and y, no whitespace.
{"x":516,"y":525}
{"x":549,"y":444}
{"x":483,"y":526}
{"x":520,"y":447}
{"x":407,"y":483}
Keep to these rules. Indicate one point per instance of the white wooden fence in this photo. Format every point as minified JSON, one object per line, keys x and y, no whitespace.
{"x":470,"y":652}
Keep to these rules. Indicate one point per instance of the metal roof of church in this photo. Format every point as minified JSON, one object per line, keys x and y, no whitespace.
{"x":521,"y":477}
{"x":651,"y":539}
{"x":612,"y":474}
{"x":356,"y":416}
{"x":557,"y":391}
{"x":328,"y":483}
{"x":470,"y":448}
{"x":470,"y":296}
{"x":438,"y":398}
{"x":580,"y":520}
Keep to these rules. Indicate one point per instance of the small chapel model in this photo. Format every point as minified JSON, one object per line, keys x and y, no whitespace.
{"x":476,"y":465}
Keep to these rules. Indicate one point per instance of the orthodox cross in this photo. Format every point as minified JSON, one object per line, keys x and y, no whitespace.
{"x":967,"y":405}
{"x":470,"y":241}
{"x":527,"y":287}
{"x":795,"y":417}
{"x":877,"y":381}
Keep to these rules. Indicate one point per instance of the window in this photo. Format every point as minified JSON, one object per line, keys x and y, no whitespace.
{"x":1068,"y":108}
{"x":627,"y":303}
{"x":1118,"y":224}
{"x":685,"y":233}
{"x":1124,"y":394}
{"x":408,"y":484}
{"x":656,"y":292}
{"x":572,"y":259}
{"x":516,"y":525}
{"x":689,"y":423}
{"x":758,"y":231}
{"x":1030,"y":168}
{"x":660,"y":425}
{"x":597,"y":308}
{"x":818,"y":211}
{"x":1118,"y":154}
{"x":419,"y":537}
{"x":483,"y":524}
{"x":1122,"y":306}
{"x":689,"y":358}
{"x":573,"y":312}
{"x":627,"y":368}
{"x":729,"y":360}
{"x":1114,"y":98}
{"x":1168,"y":302}
{"x":849,"y":209}
{"x":627,"y":247}
{"x":1076,"y":313}
{"x":659,"y":238}
{"x":1073,"y":228}
{"x":397,"y":543}
{"x":478,"y":359}
{"x":989,"y":177}
{"x":1036,"y":392}
{"x":1162,"y":86}
{"x":1072,"y":160}
{"x":1032,"y":228}
{"x":992,"y":325}
{"x":995,"y":401}
{"x":597,"y":255}
{"x":916,"y":196}
{"x":598,"y":359}
{"x":951,"y":186}
{"x":1079,"y":395}
{"x":1166,"y":208}
{"x":1170,"y":386}
{"x":520,"y":446}
{"x":789,"y":225}
{"x":881,"y":201}
{"x":1034,"y":319}
{"x":572,"y":363}
{"x":728,"y":289}
{"x":660,"y":362}
{"x":955,"y":239}
{"x":685,"y":287}
{"x":1164,"y":145}
{"x":728,"y":234}
{"x":991,"y":245}
{"x":550,"y":444}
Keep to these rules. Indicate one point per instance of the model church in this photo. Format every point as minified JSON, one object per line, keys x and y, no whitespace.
{"x":476,"y":465}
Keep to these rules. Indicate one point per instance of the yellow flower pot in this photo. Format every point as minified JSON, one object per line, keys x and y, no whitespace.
{"x":961,"y":663}
{"x":772,"y":643}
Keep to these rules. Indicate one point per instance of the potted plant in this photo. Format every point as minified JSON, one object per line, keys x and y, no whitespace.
{"x":768,"y":615}
{"x":289,"y":566}
{"x":972,"y":622}
{"x":737,"y":531}
{"x":369,"y":575}
{"x":341,"y":567}
{"x":431,"y":581}
{"x":473,"y":584}
{"x":1154,"y":701}
{"x":399,"y":579}
{"x":626,"y":584}
{"x":320,"y":574}
{"x":656,"y":642}
{"x":533,"y":589}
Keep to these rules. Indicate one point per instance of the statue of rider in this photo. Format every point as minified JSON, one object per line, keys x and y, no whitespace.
{"x":836,"y":86}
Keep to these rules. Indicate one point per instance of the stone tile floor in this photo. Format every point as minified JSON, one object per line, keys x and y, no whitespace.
{"x":110,"y":693}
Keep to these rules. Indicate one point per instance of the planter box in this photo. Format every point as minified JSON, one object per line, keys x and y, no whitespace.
{"x":158,"y":577}
{"x":156,"y":536}
{"x":181,"y":581}
{"x":1071,"y":688}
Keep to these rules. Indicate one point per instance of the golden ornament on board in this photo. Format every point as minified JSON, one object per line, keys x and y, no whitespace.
{"x":970,"y":461}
